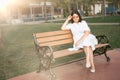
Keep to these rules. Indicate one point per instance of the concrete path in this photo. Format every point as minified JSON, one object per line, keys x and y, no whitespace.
{"x":77,"y":71}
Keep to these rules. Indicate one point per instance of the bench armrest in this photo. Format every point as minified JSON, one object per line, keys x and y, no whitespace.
{"x":102,"y":39}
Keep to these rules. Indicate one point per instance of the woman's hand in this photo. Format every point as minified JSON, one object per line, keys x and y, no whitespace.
{"x":66,"y":22}
{"x":77,"y":43}
{"x":86,"y":33}
{"x":69,"y":17}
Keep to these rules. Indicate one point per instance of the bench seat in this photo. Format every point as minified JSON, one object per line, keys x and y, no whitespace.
{"x":66,"y":52}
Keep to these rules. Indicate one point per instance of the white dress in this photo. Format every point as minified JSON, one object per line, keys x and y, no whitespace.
{"x":77,"y":30}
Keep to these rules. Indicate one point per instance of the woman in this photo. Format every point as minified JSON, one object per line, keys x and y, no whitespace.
{"x":81,"y":36}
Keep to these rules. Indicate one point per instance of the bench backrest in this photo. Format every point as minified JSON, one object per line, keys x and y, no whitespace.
{"x":53,"y":38}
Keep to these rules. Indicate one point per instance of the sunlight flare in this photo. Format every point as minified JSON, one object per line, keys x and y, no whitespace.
{"x":5,"y":4}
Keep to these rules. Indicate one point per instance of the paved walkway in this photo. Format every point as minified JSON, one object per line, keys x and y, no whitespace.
{"x":77,"y":71}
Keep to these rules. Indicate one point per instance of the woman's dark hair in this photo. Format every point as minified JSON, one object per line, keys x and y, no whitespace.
{"x":76,"y":12}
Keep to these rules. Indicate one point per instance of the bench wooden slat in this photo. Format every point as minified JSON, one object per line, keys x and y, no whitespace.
{"x":54,"y":38}
{"x":66,"y":52}
{"x":60,"y":42}
{"x":52,"y":33}
{"x":101,"y":45}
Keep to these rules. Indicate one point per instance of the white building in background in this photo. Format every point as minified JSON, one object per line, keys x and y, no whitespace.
{"x":18,"y":14}
{"x":98,"y":8}
{"x":38,"y":9}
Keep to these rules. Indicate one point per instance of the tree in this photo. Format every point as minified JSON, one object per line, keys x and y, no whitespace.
{"x":116,"y":3}
{"x":45,"y":14}
{"x":64,"y":5}
{"x":103,"y":7}
{"x":93,"y":2}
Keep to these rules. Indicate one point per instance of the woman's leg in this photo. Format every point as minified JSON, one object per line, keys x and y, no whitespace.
{"x":89,"y":57}
{"x":91,"y":60}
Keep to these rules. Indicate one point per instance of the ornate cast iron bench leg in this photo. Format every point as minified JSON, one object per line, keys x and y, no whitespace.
{"x":45,"y":55}
{"x":108,"y":58}
{"x":101,"y":40}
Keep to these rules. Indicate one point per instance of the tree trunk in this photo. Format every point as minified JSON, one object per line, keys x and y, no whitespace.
{"x":103,"y":8}
{"x":1,"y":36}
{"x":69,"y":8}
{"x":94,"y":9}
{"x":45,"y":12}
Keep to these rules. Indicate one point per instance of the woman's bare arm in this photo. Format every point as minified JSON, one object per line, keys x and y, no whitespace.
{"x":66,"y":22}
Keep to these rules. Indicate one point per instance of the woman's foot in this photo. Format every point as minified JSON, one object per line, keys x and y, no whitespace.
{"x":92,"y":70}
{"x":88,"y":65}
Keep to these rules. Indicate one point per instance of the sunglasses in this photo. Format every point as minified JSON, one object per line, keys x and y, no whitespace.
{"x":75,"y":17}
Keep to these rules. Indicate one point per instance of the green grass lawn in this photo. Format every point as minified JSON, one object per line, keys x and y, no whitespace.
{"x":18,"y":56}
{"x":106,"y":19}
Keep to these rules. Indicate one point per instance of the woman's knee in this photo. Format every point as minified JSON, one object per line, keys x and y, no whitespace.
{"x":85,"y":47}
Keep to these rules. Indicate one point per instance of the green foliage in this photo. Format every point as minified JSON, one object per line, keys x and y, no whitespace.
{"x":65,"y":12}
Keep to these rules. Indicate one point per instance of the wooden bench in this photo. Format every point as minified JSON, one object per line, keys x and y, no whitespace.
{"x":45,"y":41}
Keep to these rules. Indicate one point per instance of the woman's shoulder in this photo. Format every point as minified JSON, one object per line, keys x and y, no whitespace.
{"x":70,"y":23}
{"x":83,"y":21}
